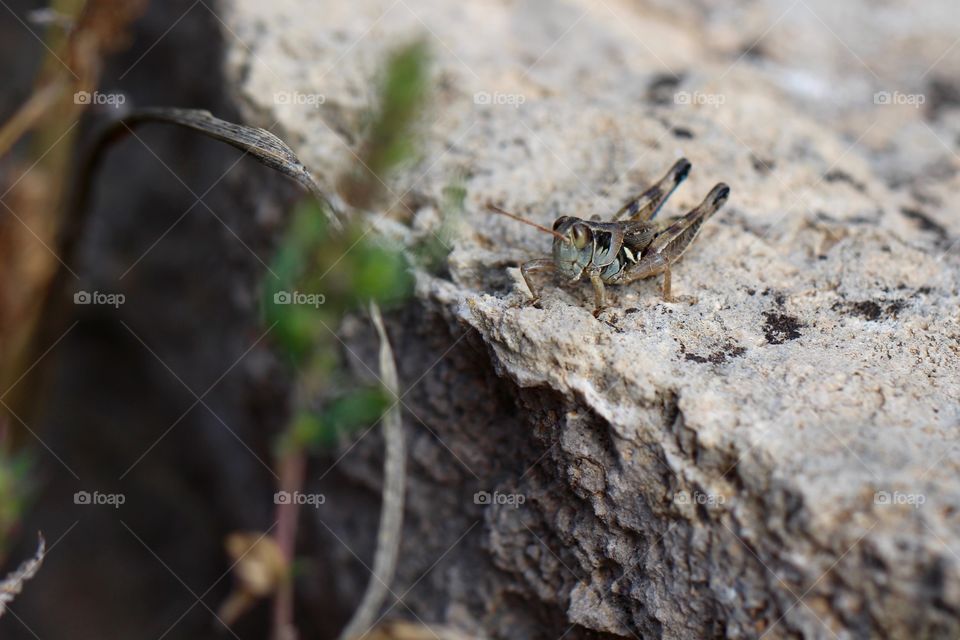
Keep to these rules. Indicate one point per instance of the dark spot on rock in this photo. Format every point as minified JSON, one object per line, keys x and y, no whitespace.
{"x":941,"y":94}
{"x":874,"y":562}
{"x":780,"y":327}
{"x":924,"y":290}
{"x":926,"y":198}
{"x":821,"y":257}
{"x":823,"y":216}
{"x":631,"y":310}
{"x":925,"y":222}
{"x":753,"y":51}
{"x":933,"y":576}
{"x":867,"y":309}
{"x":613,"y":326}
{"x":763,"y":167}
{"x":751,"y":292}
{"x":731,"y":350}
{"x":662,"y":88}
{"x":871,"y":310}
{"x":894,"y":308}
{"x":780,"y":299}
{"x":839,"y":175}
{"x":702,"y":514}
{"x":728,"y":351}
{"x":682,"y":133}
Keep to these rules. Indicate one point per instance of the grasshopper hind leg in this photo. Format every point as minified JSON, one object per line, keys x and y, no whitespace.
{"x":674,"y":239}
{"x":651,"y":265}
{"x":677,"y":237}
{"x":645,"y":206}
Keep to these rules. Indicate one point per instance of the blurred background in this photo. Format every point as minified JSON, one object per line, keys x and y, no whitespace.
{"x":167,"y":398}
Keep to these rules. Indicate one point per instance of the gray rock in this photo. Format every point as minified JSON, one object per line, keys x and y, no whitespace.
{"x":778,"y":459}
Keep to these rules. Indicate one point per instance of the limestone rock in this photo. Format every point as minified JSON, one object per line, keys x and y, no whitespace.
{"x":779,"y":458}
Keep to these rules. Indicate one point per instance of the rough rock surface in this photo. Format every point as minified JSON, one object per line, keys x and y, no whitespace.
{"x":779,"y":458}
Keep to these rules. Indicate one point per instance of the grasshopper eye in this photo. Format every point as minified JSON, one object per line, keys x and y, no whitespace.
{"x":580,"y":236}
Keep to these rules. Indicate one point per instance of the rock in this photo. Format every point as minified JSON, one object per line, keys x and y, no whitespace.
{"x":778,"y":459}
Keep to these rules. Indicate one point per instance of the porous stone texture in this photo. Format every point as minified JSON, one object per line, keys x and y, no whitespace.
{"x":778,"y":459}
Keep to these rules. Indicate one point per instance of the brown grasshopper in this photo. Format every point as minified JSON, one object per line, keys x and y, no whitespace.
{"x":621,"y":251}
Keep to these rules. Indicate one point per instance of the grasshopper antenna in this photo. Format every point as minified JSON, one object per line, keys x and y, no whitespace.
{"x":497,"y":209}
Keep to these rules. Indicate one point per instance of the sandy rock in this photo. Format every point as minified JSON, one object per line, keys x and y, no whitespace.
{"x":779,"y":458}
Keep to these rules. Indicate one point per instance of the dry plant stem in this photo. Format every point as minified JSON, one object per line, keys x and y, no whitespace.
{"x":259,"y":143}
{"x":12,"y":584}
{"x":292,"y":468}
{"x":391,"y":509}
{"x":30,"y":113}
{"x":48,"y":117}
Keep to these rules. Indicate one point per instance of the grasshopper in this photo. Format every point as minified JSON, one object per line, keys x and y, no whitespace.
{"x":630,"y":247}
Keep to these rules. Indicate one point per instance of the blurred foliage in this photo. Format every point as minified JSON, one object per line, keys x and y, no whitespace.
{"x":390,"y":139}
{"x":347,"y":413}
{"x":14,"y":492}
{"x":324,"y":274}
{"x":433,"y":249}
{"x":321,"y":275}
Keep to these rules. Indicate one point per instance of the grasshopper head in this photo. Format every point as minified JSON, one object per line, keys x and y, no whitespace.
{"x":572,"y":242}
{"x":574,"y":251}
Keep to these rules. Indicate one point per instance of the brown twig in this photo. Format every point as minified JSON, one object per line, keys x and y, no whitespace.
{"x":292,"y":468}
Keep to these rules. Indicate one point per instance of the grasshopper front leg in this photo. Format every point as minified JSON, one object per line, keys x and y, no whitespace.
{"x":670,"y":244}
{"x":528,"y":269}
{"x":599,"y":292}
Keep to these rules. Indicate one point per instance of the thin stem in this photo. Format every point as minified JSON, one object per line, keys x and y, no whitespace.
{"x":391,"y":508}
{"x":292,"y":471}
